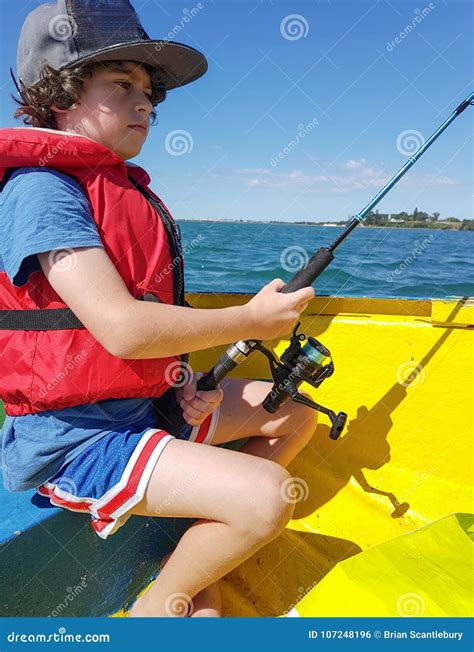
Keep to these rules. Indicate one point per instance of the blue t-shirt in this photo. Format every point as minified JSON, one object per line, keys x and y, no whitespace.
{"x":43,"y":210}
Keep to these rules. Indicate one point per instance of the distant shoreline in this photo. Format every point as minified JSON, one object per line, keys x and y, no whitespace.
{"x":439,"y":226}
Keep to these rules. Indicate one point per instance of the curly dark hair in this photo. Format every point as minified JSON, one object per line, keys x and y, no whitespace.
{"x":64,"y":89}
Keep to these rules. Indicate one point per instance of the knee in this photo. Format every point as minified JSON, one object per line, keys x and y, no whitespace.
{"x":272,"y":505}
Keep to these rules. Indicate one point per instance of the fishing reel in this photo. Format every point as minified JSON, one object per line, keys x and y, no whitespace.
{"x":311,"y":363}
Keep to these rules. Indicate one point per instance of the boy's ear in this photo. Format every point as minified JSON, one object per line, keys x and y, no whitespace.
{"x":55,"y":109}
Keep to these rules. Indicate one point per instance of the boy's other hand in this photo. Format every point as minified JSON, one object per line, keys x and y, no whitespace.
{"x":197,"y":405}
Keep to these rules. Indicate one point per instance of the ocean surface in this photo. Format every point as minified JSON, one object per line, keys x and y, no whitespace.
{"x":376,"y":262}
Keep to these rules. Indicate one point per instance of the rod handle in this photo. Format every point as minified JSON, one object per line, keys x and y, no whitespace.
{"x":310,"y":272}
{"x":211,"y":380}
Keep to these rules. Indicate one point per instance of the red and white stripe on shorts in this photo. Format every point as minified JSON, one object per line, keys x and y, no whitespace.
{"x":109,"y":512}
{"x":204,"y":433}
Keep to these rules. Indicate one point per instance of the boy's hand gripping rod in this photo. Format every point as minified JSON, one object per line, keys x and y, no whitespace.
{"x":305,"y":363}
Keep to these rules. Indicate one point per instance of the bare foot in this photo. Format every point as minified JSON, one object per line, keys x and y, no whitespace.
{"x":206,"y":604}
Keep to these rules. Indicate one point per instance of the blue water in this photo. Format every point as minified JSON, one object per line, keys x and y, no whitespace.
{"x":377,"y":262}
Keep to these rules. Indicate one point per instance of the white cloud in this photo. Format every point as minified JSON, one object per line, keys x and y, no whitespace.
{"x":253,"y":171}
{"x":353,"y":164}
{"x":351,"y":175}
{"x":439,"y":180}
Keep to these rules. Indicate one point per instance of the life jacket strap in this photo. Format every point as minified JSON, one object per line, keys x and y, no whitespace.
{"x":49,"y":319}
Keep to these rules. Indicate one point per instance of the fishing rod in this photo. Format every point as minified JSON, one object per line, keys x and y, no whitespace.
{"x":312,"y":362}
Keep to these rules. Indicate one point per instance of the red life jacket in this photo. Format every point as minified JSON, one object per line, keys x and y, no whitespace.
{"x":48,"y":359}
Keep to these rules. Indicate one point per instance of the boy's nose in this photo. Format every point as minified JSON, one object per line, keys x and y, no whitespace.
{"x":142,"y":104}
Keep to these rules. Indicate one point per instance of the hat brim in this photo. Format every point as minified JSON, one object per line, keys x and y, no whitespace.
{"x":177,"y":63}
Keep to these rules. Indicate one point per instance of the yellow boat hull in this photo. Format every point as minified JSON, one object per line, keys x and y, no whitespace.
{"x":404,"y":376}
{"x":422,"y":574}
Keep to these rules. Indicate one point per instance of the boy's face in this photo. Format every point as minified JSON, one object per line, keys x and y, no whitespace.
{"x":113,"y":100}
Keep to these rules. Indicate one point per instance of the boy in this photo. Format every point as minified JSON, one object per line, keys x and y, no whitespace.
{"x":92,"y":330}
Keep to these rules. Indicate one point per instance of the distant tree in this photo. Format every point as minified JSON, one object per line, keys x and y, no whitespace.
{"x":435,"y":217}
{"x":421,"y":216}
{"x":370,"y":218}
{"x":452,"y":219}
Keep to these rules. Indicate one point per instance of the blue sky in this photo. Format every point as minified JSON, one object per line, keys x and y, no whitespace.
{"x":308,"y":106}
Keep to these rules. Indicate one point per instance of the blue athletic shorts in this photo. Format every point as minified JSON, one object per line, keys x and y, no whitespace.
{"x":110,"y":476}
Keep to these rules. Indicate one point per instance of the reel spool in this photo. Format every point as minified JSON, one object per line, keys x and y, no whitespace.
{"x":311,"y":363}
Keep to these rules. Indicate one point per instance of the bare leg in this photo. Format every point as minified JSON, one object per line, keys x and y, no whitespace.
{"x":241,"y":506}
{"x":207,"y":603}
{"x":282,"y":450}
{"x":278,"y":438}
{"x":279,"y":449}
